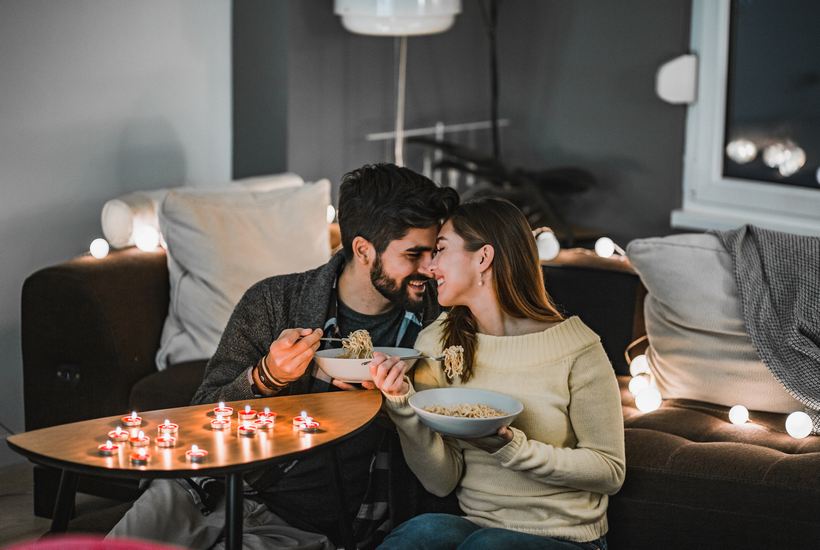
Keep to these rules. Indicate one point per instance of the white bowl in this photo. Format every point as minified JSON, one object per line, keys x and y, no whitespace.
{"x":355,"y":370}
{"x":456,"y":426}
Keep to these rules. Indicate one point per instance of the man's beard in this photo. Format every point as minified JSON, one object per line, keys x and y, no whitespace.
{"x":397,"y":294}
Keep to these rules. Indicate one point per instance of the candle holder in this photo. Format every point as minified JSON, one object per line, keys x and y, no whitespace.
{"x":247,"y":414}
{"x":168,"y":428}
{"x":196,"y":455}
{"x":220,"y":423}
{"x":132,"y":421}
{"x":108,"y":449}
{"x":140,"y":457}
{"x":166,"y":441}
{"x":246,"y":430}
{"x":140,"y":440}
{"x":310,"y":427}
{"x":267,"y":414}
{"x":222,"y":410}
{"x":263,"y":424}
{"x":119,"y":435}
{"x":299,"y":421}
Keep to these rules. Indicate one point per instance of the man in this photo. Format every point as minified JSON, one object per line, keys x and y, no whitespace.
{"x":380,"y":282}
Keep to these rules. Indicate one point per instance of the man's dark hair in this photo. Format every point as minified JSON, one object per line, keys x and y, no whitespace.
{"x":381,"y":202}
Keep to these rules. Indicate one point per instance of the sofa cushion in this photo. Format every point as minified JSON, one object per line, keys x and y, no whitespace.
{"x":688,"y":462}
{"x":698,"y":345}
{"x":221,"y":243}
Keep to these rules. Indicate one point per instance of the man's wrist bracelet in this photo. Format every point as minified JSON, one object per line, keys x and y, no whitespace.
{"x":267,"y":379}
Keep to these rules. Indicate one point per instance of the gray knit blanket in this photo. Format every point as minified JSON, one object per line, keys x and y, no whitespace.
{"x":778,"y":280}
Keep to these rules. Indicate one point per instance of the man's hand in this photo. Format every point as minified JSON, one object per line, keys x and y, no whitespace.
{"x":291,"y":353}
{"x":492,"y":443}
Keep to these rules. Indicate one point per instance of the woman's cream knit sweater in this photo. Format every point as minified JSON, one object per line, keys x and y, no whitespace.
{"x":567,"y":453}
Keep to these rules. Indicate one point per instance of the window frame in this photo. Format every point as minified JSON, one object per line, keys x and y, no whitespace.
{"x":711,"y":200}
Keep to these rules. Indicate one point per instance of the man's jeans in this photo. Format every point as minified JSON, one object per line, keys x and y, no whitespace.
{"x":446,"y":532}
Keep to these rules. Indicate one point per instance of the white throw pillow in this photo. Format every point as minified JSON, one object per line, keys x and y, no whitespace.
{"x":699,"y":347}
{"x":221,"y":243}
{"x":120,"y":216}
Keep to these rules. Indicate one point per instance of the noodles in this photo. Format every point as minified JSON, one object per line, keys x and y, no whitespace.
{"x":453,"y":361}
{"x":357,"y":345}
{"x":466,"y":410}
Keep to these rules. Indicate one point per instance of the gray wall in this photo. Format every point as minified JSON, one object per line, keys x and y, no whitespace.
{"x":98,"y":98}
{"x":577,"y":82}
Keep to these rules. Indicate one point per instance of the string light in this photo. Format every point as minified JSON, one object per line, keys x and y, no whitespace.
{"x":741,"y":150}
{"x":99,"y":248}
{"x":639,"y":383}
{"x":798,"y":425}
{"x":606,"y":247}
{"x":738,"y":414}
{"x":331,"y":213}
{"x":548,"y":245}
{"x":648,"y":399}
{"x":146,"y":238}
{"x":639,"y":365}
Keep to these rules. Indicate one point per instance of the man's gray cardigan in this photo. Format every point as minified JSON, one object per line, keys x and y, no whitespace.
{"x":267,"y":308}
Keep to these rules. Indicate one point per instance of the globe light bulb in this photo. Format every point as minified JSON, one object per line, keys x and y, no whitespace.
{"x":146,"y":238}
{"x":741,"y":150}
{"x":798,"y":424}
{"x":99,"y":248}
{"x":604,"y":247}
{"x":548,"y":245}
{"x":639,"y":383}
{"x":775,"y":154}
{"x":794,"y":161}
{"x":639,"y":365}
{"x":331,"y":213}
{"x":648,"y":399}
{"x":738,"y":414}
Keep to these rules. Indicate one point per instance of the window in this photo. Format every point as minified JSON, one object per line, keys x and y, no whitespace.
{"x":753,"y":135}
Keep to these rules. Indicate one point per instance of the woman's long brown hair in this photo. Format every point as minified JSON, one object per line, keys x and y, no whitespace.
{"x":517,"y":277}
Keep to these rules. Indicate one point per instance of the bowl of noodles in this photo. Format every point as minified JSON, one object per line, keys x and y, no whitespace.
{"x":465,"y":412}
{"x":350,"y":363}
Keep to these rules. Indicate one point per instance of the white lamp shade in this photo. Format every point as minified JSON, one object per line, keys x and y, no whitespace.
{"x":397,"y":17}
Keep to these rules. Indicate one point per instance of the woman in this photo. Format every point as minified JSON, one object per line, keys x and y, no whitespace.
{"x":544,"y":481}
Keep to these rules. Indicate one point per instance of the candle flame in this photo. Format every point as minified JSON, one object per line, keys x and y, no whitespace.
{"x":141,"y":434}
{"x":167,"y":421}
{"x":141,"y":451}
{"x":267,"y":410}
{"x":118,"y":430}
{"x":221,"y":404}
{"x":133,"y":414}
{"x":247,"y":408}
{"x":304,"y":414}
{"x":194,"y":448}
{"x":108,"y":443}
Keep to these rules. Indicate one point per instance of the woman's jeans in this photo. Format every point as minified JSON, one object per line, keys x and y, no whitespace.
{"x":446,"y":532}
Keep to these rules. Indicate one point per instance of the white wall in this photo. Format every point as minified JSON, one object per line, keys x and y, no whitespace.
{"x":98,"y":98}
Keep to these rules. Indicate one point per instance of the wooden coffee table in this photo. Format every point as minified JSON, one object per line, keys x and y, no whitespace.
{"x":73,"y":447}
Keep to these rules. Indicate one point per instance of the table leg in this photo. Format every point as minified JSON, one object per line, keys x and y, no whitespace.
{"x":64,"y":505}
{"x":233,"y":511}
{"x":345,"y":522}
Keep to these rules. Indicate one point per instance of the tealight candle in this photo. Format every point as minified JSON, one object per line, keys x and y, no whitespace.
{"x":310,"y":426}
{"x":119,"y":435}
{"x":247,"y":414}
{"x":220,"y":423}
{"x":222,"y":410}
{"x":132,"y":421}
{"x":247,"y":429}
{"x":264,"y":424}
{"x":267,"y":413}
{"x":108,"y":448}
{"x":298,"y":421}
{"x":140,"y":457}
{"x":196,"y":454}
{"x":168,"y":428}
{"x":165,"y":441}
{"x":140,"y":440}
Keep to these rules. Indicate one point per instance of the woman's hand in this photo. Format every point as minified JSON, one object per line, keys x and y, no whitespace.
{"x":494,"y":442}
{"x":388,"y":374}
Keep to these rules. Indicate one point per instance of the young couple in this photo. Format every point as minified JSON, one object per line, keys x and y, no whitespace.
{"x":542,"y":483}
